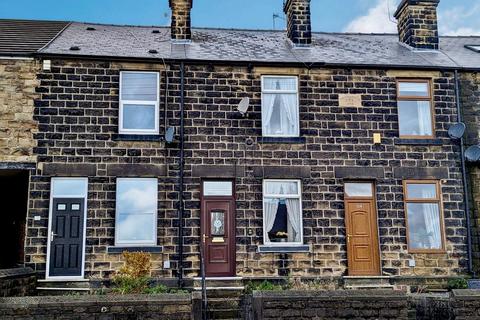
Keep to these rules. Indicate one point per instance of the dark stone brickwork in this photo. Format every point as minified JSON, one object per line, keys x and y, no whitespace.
{"x":17,"y":282}
{"x":332,"y":305}
{"x":470,"y":99}
{"x":161,"y":307}
{"x":299,"y":26}
{"x":417,"y":23}
{"x":77,"y":116}
{"x":181,"y":19}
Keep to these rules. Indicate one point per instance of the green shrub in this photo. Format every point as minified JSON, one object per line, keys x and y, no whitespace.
{"x":459,"y":283}
{"x":262,"y":286}
{"x":129,"y":285}
{"x":158,"y":289}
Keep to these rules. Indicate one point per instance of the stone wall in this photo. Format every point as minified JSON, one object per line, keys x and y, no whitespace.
{"x":329,"y":305}
{"x":17,"y":282}
{"x":78,"y":120}
{"x":17,"y":93}
{"x":470,"y":99}
{"x":168,"y":307}
{"x":466,"y":304}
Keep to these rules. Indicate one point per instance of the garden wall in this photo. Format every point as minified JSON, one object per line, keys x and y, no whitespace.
{"x":17,"y":282}
{"x":168,"y":307}
{"x":328,"y":305}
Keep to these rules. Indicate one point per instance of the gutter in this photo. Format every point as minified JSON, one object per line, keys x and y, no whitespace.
{"x":181,"y":172}
{"x":464,"y":179}
{"x":255,"y":62}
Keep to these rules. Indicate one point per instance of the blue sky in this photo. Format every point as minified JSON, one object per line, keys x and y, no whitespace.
{"x":456,"y":16}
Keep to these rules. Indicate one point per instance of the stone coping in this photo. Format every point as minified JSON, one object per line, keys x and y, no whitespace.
{"x":332,"y":295}
{"x":466,"y":294}
{"x":16,"y":272}
{"x":7,"y":303}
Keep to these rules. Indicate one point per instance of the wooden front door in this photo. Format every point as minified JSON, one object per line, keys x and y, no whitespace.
{"x":218,"y":228}
{"x":66,"y":237}
{"x":362,"y":230}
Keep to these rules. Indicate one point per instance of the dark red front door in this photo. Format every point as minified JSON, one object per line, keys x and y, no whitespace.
{"x":218,"y":235}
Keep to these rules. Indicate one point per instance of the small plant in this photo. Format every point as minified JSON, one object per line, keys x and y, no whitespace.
{"x":133,"y":277}
{"x":459,"y":283}
{"x":263,"y":286}
{"x":158,"y":289}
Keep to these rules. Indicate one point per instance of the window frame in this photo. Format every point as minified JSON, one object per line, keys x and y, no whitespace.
{"x":416,"y":98}
{"x":297,"y":92}
{"x":437,"y":200}
{"x":156,"y":104}
{"x":290,"y":196}
{"x":140,"y":243}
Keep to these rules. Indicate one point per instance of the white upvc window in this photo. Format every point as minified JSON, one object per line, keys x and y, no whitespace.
{"x":280,"y":106}
{"x":282,"y":212}
{"x":139,"y":102}
{"x":136,"y":212}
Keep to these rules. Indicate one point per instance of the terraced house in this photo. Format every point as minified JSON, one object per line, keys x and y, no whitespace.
{"x":271,"y":154}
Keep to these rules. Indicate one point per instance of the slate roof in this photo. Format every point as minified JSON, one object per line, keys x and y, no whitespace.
{"x":259,"y":46}
{"x":25,"y":37}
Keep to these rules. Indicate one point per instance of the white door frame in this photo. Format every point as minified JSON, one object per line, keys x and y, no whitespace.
{"x":83,"y":196}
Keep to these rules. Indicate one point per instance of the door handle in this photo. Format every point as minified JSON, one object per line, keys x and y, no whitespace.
{"x":52,"y":235}
{"x":348,"y":237}
{"x":204,"y":238}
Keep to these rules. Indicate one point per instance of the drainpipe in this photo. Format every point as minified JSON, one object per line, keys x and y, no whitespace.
{"x":182,"y":165}
{"x":464,"y":178}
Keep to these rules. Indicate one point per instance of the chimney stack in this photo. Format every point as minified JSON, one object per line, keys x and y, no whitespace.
{"x":417,"y":23}
{"x":299,"y":26}
{"x":181,"y":22}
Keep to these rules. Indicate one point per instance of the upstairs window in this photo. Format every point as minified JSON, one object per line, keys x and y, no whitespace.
{"x":415,"y":113}
{"x":424,"y":216}
{"x":136,"y":216}
{"x":139,"y":102}
{"x":282,"y":212}
{"x":280,"y":114}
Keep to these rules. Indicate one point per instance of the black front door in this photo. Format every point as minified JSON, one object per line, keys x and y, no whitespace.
{"x":66,"y":238}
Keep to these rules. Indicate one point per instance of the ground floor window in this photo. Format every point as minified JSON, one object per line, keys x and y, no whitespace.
{"x":136,"y":212}
{"x":282,"y":212}
{"x":424,"y":216}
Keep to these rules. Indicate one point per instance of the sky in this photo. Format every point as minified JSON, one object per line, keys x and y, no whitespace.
{"x":456,"y":17}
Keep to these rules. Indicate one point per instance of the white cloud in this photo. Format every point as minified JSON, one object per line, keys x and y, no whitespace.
{"x":459,"y":20}
{"x":377,"y":20}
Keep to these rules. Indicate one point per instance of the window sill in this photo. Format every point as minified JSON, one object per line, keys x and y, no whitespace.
{"x":137,"y":137}
{"x":418,"y":142}
{"x":150,"y":249}
{"x":283,"y":249}
{"x":292,"y":140}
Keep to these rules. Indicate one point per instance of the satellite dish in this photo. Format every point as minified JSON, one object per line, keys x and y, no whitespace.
{"x":169,"y":134}
{"x":243,"y":106}
{"x":457,"y":130}
{"x":472,"y":154}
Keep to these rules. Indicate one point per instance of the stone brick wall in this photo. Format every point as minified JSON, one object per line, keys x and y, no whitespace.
{"x":181,"y":19}
{"x":466,"y":304}
{"x":470,"y":99}
{"x":77,"y":115}
{"x":17,"y":93}
{"x":299,"y":26}
{"x":329,"y":305}
{"x":417,"y":23}
{"x":18,"y":282}
{"x":168,"y":307}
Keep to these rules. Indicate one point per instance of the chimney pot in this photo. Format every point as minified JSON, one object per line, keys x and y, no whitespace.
{"x":417,"y":23}
{"x":299,"y":26}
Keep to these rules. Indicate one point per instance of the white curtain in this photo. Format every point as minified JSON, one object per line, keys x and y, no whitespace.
{"x":290,"y":108}
{"x":295,"y":217}
{"x":267,"y":111}
{"x":271,"y":207}
{"x":424,"y":118}
{"x":432,"y":224}
{"x":431,"y":216}
{"x":284,"y":103}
